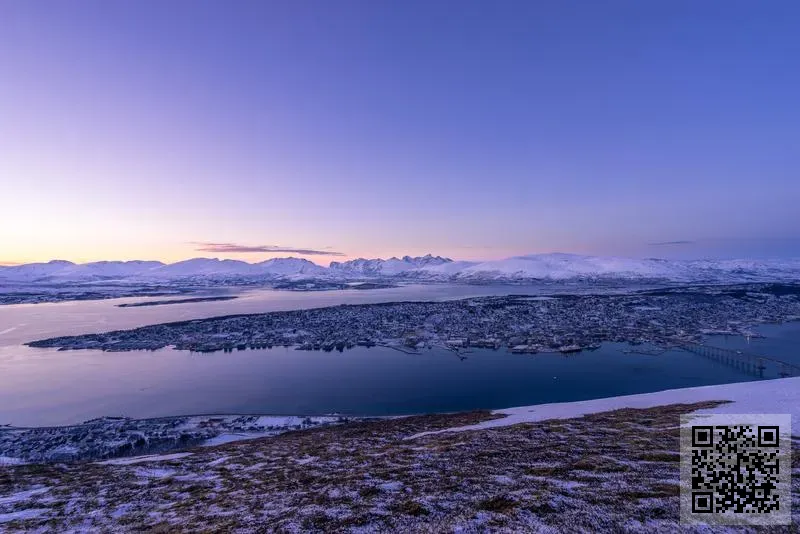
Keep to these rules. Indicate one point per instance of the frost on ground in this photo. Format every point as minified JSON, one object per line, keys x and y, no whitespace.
{"x":611,"y":471}
{"x":147,"y":458}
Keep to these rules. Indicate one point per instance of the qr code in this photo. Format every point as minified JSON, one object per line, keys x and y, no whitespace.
{"x":736,"y":469}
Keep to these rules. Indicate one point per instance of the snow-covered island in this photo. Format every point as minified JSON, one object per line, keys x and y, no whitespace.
{"x":608,"y":465}
{"x":663,"y":317}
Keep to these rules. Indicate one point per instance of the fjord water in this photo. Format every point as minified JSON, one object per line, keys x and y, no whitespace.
{"x":50,"y":387}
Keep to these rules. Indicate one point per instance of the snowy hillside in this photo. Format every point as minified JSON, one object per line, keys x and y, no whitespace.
{"x":779,"y":396}
{"x":204,"y":267}
{"x":36,"y":271}
{"x":291,"y":267}
{"x":550,"y":267}
{"x":443,"y":270}
{"x":566,"y":266}
{"x":60,"y":270}
{"x":390,"y":267}
{"x":572,"y":266}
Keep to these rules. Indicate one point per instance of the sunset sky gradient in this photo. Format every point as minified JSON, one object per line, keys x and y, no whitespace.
{"x":472,"y":129}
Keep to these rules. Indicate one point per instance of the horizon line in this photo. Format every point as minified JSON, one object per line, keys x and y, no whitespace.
{"x":9,"y":263}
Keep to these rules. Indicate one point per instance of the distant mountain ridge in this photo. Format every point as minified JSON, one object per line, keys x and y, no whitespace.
{"x":391,"y":267}
{"x":552,"y":267}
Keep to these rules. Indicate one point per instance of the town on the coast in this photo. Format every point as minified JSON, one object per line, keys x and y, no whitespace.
{"x":525,"y":324}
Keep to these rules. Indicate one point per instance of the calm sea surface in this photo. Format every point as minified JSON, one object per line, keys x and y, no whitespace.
{"x":47,"y":387}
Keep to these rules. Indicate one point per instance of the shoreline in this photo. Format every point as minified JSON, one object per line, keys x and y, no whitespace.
{"x":192,"y":300}
{"x":561,"y":323}
{"x":114,"y":437}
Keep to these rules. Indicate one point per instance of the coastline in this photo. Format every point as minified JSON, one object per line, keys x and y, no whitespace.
{"x":107,"y":438}
{"x":562,"y":322}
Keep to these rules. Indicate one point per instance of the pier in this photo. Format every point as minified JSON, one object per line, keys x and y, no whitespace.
{"x":746,"y":362}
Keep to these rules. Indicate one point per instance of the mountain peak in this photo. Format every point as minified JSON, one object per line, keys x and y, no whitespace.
{"x":391,"y":267}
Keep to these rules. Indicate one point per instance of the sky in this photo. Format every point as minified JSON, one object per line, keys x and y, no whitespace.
{"x":336,"y":129}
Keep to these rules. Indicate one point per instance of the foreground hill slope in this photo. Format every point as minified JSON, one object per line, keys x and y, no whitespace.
{"x":608,"y":471}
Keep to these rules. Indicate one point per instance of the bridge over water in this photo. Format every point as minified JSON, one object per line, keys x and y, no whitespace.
{"x":749,"y":363}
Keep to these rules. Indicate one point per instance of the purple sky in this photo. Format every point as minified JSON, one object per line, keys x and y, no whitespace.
{"x":150,"y":129}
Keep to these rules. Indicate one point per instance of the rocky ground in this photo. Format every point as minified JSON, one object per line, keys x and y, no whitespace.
{"x":608,"y":472}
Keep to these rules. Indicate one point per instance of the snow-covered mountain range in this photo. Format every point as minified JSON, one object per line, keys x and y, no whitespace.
{"x":554,"y":267}
{"x":59,"y":271}
{"x":572,"y":266}
{"x":391,"y":267}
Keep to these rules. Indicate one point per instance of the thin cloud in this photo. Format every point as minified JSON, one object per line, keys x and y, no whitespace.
{"x":671,"y":243}
{"x":223,"y":248}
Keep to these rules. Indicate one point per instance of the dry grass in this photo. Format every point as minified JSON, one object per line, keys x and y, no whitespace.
{"x":615,"y":472}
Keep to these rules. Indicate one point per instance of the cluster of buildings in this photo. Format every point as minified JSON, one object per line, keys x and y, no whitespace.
{"x":519,"y":323}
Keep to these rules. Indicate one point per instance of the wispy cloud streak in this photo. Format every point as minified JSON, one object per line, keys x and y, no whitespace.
{"x":223,"y":248}
{"x":671,"y":243}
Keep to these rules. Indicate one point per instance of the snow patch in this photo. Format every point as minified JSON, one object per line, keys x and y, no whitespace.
{"x":391,"y":486}
{"x":766,"y":396}
{"x":231,"y":437}
{"x":22,"y":495}
{"x":22,"y":515}
{"x":218,"y":461}
{"x":150,"y":472}
{"x":147,"y":458}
